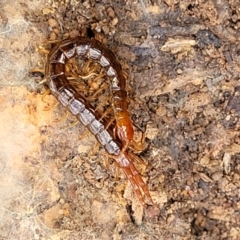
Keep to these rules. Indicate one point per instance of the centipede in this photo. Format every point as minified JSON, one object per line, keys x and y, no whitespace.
{"x":115,"y":142}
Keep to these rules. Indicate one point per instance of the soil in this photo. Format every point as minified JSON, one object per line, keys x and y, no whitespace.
{"x":182,"y":59}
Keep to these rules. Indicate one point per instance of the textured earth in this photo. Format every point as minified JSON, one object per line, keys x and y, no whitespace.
{"x":182,"y":59}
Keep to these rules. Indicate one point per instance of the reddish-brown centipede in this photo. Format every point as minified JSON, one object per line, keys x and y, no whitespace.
{"x":78,"y":105}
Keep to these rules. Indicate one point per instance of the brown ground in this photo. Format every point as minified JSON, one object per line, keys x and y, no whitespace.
{"x":183,"y":60}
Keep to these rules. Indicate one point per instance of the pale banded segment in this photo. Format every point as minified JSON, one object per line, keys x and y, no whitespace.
{"x":82,"y":49}
{"x":112,"y":148}
{"x":94,"y":53}
{"x":111,"y":72}
{"x":103,"y":137}
{"x":96,"y":127}
{"x":70,"y":53}
{"x":86,"y":117}
{"x":53,"y":88}
{"x":115,"y":82}
{"x":61,"y":59}
{"x":104,"y":61}
{"x":65,"y":96}
{"x":76,"y":106}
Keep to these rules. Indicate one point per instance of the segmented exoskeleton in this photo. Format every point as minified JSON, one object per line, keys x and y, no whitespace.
{"x":78,"y":105}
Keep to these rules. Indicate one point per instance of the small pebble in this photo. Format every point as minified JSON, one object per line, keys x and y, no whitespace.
{"x":110,"y":12}
{"x":46,"y":11}
{"x":179,"y":71}
{"x":114,"y":22}
{"x":52,"y":23}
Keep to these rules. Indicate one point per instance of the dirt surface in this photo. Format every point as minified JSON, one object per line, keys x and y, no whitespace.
{"x":183,"y":59}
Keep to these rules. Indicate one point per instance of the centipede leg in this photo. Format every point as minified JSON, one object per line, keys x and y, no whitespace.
{"x":101,"y":105}
{"x":37,"y":70}
{"x":85,"y":134}
{"x":47,"y":92}
{"x":95,"y":148}
{"x":96,"y":93}
{"x":100,"y":75}
{"x":42,"y":82}
{"x":109,"y":123}
{"x":107,"y":111}
{"x":62,"y":118}
{"x":72,"y":124}
{"x":43,"y":50}
{"x":116,"y":171}
{"x":136,"y":158}
{"x":51,"y":107}
{"x":84,"y":77}
{"x":129,"y":174}
{"x":106,"y":161}
{"x":87,"y":65}
{"x":138,"y":146}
